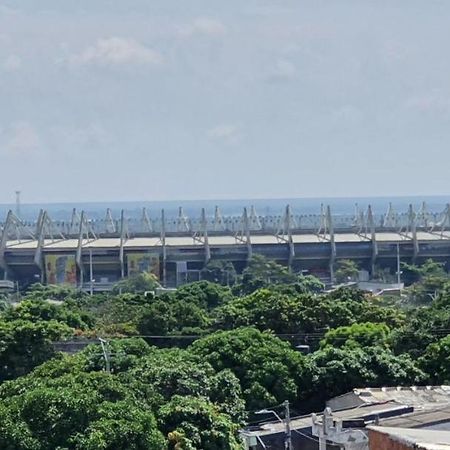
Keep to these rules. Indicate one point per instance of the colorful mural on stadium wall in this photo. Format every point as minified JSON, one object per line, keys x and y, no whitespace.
{"x":143,"y":262}
{"x":61,"y":269}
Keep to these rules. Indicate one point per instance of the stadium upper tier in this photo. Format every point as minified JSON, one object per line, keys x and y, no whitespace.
{"x":116,"y":247}
{"x":187,"y":241}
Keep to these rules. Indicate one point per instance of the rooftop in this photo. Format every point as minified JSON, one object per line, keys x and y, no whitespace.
{"x":422,"y":397}
{"x":420,"y":439}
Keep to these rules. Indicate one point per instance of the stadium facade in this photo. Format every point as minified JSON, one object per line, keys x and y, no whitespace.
{"x":94,"y":254}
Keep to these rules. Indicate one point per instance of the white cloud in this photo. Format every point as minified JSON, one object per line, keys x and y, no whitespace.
{"x":12,"y":63}
{"x":228,"y":133}
{"x":20,"y":138}
{"x":204,"y":26}
{"x":116,"y":51}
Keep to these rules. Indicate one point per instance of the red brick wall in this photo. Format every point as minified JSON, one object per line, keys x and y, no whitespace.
{"x":381,"y":441}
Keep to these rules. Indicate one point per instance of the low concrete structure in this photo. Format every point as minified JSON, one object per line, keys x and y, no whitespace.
{"x":388,"y":438}
{"x":421,"y":408}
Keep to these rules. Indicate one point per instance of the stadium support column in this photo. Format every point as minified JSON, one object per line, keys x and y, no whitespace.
{"x":110,"y":226}
{"x":254,"y":222}
{"x":412,"y":225}
{"x":218,"y":220}
{"x":423,"y":218}
{"x":40,"y":233}
{"x":289,"y":224}
{"x":146,"y":223}
{"x":79,"y":253}
{"x":74,"y":222}
{"x":163,"y":243}
{"x":45,"y":227}
{"x":204,"y":226}
{"x":123,"y":238}
{"x":391,"y":218}
{"x":445,"y":221}
{"x":284,"y":233}
{"x":247,"y":235}
{"x":12,"y":223}
{"x":182,"y":221}
{"x":3,"y":242}
{"x":243,"y":234}
{"x":329,"y":225}
{"x":84,"y":230}
{"x":373,"y":238}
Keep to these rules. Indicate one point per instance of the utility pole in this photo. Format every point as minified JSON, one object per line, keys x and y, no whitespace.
{"x":287,"y":422}
{"x":398,"y":265}
{"x":106,"y":354}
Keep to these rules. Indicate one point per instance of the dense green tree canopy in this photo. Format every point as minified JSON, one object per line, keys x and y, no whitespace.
{"x":339,"y":370}
{"x":183,"y":396}
{"x":357,"y":335}
{"x":346,"y":270}
{"x":24,"y":345}
{"x":281,"y":312}
{"x":220,"y":272}
{"x":138,"y":283}
{"x":436,"y":361}
{"x":268,"y":368}
{"x":262,"y":272}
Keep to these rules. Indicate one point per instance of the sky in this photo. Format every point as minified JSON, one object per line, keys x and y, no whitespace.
{"x":104,"y":100}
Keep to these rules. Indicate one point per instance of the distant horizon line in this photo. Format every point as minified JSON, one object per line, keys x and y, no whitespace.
{"x":243,"y":199}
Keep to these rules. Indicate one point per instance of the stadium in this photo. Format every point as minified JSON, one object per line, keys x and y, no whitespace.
{"x":95,"y":254}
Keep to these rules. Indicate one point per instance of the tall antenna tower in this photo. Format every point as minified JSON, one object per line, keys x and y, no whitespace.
{"x":18,"y":203}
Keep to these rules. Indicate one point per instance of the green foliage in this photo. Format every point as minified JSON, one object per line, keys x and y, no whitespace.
{"x":220,"y":272}
{"x":172,"y":316}
{"x":39,"y":291}
{"x":423,"y":326}
{"x":357,"y":335}
{"x":268,"y":368}
{"x":426,"y":281}
{"x":310,"y":283}
{"x":82,"y":410}
{"x":186,"y":311}
{"x":121,"y":426}
{"x":193,"y":423}
{"x":118,"y":314}
{"x":135,"y":284}
{"x":262,"y":272}
{"x":302,"y":313}
{"x":204,"y":294}
{"x":37,"y":310}
{"x":425,"y":291}
{"x":346,"y":270}
{"x":263,"y":309}
{"x":163,"y":374}
{"x":125,"y":354}
{"x":24,"y":345}
{"x":412,"y":273}
{"x":335,"y":371}
{"x":436,"y":361}
{"x":69,"y":402}
{"x":196,"y":398}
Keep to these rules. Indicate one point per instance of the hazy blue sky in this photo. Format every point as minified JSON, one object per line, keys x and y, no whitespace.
{"x":161,"y":99}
